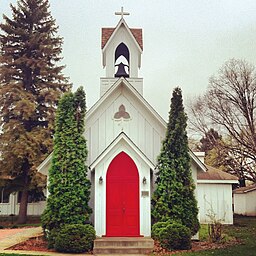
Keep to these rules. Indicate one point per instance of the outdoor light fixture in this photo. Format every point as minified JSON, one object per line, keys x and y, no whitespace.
{"x":144,"y":180}
{"x":100,"y":179}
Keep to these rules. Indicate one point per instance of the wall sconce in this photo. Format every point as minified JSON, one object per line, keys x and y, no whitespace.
{"x":144,"y":180}
{"x":100,"y":179}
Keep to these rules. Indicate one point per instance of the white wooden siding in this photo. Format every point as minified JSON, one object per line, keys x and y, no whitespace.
{"x":245,"y":204}
{"x":215,"y":199}
{"x":142,"y":128}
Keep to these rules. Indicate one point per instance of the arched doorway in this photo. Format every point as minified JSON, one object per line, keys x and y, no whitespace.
{"x":122,"y":192}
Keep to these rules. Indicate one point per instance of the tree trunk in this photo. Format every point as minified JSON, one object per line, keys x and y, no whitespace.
{"x":242,"y":182}
{"x":22,"y":218}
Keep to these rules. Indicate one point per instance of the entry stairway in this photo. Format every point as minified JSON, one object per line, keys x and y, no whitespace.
{"x":123,"y":246}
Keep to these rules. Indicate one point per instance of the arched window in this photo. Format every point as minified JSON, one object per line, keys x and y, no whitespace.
{"x":122,"y":61}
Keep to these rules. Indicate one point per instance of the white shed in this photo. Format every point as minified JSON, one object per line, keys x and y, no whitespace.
{"x":245,"y":200}
{"x":214,"y":195}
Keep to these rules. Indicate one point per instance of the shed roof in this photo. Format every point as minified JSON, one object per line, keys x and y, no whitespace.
{"x":107,"y":32}
{"x":215,"y":174}
{"x":245,"y":189}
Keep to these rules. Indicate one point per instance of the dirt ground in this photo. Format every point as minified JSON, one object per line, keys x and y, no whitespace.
{"x":39,"y":244}
{"x":32,"y":244}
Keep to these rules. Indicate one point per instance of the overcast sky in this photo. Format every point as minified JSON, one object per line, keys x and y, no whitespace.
{"x":185,"y":42}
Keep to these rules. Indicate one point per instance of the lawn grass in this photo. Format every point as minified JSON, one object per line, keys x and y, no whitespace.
{"x":244,"y":228}
{"x":203,"y":232}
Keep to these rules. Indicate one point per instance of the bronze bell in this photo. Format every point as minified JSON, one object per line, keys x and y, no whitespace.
{"x":121,"y":71}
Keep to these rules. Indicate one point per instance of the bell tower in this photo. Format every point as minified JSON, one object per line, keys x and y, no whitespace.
{"x":121,"y":54}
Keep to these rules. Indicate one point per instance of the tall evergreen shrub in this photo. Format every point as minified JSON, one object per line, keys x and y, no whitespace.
{"x":69,"y":186}
{"x":174,"y":197}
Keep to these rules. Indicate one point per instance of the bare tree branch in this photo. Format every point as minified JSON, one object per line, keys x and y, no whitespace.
{"x":229,"y":107}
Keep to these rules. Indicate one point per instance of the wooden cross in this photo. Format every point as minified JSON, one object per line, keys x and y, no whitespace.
{"x":122,"y":13}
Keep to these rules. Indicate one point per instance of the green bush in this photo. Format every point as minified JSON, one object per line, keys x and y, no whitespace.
{"x":157,"y":228}
{"x":173,"y":236}
{"x":75,"y":238}
{"x":50,"y":236}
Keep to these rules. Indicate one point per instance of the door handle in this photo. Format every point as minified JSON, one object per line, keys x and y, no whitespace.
{"x":123,"y":209}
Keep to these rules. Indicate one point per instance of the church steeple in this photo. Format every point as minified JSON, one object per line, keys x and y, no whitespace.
{"x":121,"y":54}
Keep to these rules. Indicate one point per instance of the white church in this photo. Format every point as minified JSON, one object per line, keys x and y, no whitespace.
{"x":124,"y":135}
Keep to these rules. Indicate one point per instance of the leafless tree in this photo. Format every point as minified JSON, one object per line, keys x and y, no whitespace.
{"x":229,"y":106}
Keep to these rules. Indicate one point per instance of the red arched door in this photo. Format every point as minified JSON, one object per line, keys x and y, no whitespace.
{"x":122,"y":212}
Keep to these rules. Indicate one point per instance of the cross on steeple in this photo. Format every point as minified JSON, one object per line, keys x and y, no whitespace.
{"x":122,"y":13}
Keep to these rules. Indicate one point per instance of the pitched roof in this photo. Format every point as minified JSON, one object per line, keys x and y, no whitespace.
{"x":107,"y":32}
{"x":245,"y":189}
{"x":122,"y":137}
{"x":137,"y":33}
{"x":123,"y":81}
{"x":105,"y":35}
{"x":196,"y":159}
{"x":47,"y":160}
{"x":215,"y":174}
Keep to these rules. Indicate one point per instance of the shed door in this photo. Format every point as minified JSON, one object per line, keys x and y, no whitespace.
{"x":122,"y":209}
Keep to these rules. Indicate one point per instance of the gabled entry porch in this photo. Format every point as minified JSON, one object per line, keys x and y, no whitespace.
{"x":122,"y":189}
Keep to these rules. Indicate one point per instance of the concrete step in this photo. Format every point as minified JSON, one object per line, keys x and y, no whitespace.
{"x":121,"y":250}
{"x":123,"y":246}
{"x":123,"y":241}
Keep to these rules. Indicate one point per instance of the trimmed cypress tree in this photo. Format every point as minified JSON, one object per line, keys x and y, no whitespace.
{"x":31,"y":83}
{"x":69,"y":186}
{"x":174,"y":197}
